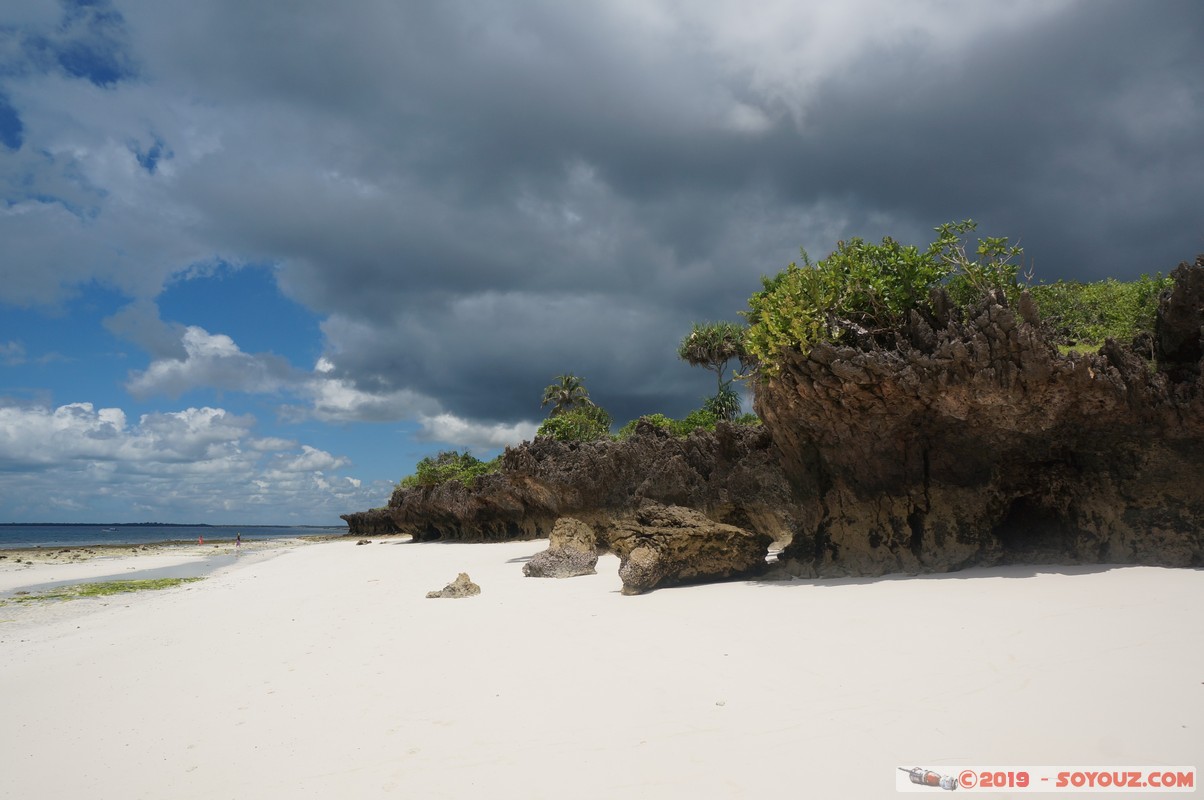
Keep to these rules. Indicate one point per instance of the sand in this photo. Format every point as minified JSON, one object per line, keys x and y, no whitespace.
{"x":323,"y":671}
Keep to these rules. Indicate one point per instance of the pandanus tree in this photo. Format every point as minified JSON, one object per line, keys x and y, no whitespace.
{"x":712,"y":346}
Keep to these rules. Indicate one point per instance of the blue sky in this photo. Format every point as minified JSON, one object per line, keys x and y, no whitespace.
{"x":258,"y":259}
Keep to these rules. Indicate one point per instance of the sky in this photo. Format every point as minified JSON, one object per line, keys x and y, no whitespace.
{"x":257,"y":259}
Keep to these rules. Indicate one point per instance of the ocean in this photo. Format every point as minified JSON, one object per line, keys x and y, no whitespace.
{"x":12,"y":536}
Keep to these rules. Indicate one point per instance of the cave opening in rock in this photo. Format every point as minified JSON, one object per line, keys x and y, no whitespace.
{"x":1032,"y":531}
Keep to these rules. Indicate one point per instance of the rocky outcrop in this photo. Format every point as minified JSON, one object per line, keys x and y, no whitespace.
{"x":964,"y":438}
{"x":731,"y":474}
{"x":572,"y":551}
{"x":667,"y":546}
{"x":973,"y":441}
{"x":1179,"y":345}
{"x":374,"y":522}
{"x":462,"y":586}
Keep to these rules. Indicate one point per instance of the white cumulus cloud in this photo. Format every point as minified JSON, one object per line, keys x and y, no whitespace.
{"x":455,"y":430}
{"x":191,"y":465}
{"x":212,"y":360}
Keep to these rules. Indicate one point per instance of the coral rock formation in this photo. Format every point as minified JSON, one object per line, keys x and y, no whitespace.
{"x":572,"y":551}
{"x":973,"y":441}
{"x":965,"y":438}
{"x":669,"y":545}
{"x":731,"y":475}
{"x":462,"y":586}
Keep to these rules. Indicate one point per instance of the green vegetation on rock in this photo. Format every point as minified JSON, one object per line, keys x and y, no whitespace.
{"x":1085,"y":315}
{"x":574,"y":417}
{"x":860,"y":290}
{"x":449,"y":465}
{"x":681,"y":428}
{"x":581,"y":424}
{"x":868,"y":289}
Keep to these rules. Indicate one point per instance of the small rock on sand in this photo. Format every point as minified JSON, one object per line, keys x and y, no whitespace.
{"x":462,"y":586}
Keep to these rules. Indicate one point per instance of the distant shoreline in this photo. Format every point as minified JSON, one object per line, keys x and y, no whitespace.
{"x":52,"y":536}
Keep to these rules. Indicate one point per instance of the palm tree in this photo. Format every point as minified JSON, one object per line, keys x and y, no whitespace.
{"x":566,"y":394}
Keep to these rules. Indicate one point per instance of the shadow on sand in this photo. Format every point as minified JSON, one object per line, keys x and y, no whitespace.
{"x":1014,"y":571}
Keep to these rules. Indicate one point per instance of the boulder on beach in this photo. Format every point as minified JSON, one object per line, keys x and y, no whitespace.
{"x":572,"y":551}
{"x":462,"y":586}
{"x":670,"y":545}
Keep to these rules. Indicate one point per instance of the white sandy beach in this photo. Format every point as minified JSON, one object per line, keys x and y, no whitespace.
{"x":324,"y":672}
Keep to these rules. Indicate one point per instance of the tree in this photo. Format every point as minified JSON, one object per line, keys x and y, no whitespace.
{"x":712,"y":346}
{"x":566,"y":394}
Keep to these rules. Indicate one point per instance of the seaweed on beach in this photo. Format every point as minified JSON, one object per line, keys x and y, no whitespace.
{"x":102,"y":589}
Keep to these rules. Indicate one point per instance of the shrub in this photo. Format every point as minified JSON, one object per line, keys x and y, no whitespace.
{"x":863,"y":289}
{"x":725,"y":405}
{"x":449,"y":465}
{"x":700,"y":418}
{"x":1090,"y":313}
{"x":581,"y":424}
{"x":681,"y":428}
{"x":996,"y":267}
{"x":659,"y":420}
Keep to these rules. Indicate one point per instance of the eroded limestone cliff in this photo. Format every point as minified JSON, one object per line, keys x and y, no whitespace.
{"x":732,"y":475}
{"x":964,"y":439}
{"x":973,"y":441}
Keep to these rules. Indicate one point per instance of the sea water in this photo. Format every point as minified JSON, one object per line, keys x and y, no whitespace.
{"x":12,"y":536}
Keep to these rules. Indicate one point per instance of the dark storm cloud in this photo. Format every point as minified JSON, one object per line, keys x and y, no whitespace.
{"x":538,"y":155}
{"x":483,"y":353}
{"x":1079,"y":137}
{"x":478,"y":197}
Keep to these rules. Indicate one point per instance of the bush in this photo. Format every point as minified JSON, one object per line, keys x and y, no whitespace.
{"x":581,"y":424}
{"x":748,"y":419}
{"x":725,"y":405}
{"x":863,"y":289}
{"x":681,"y":428}
{"x":659,"y":420}
{"x":447,"y":466}
{"x":1089,"y":313}
{"x":995,"y":269}
{"x":700,"y":418}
